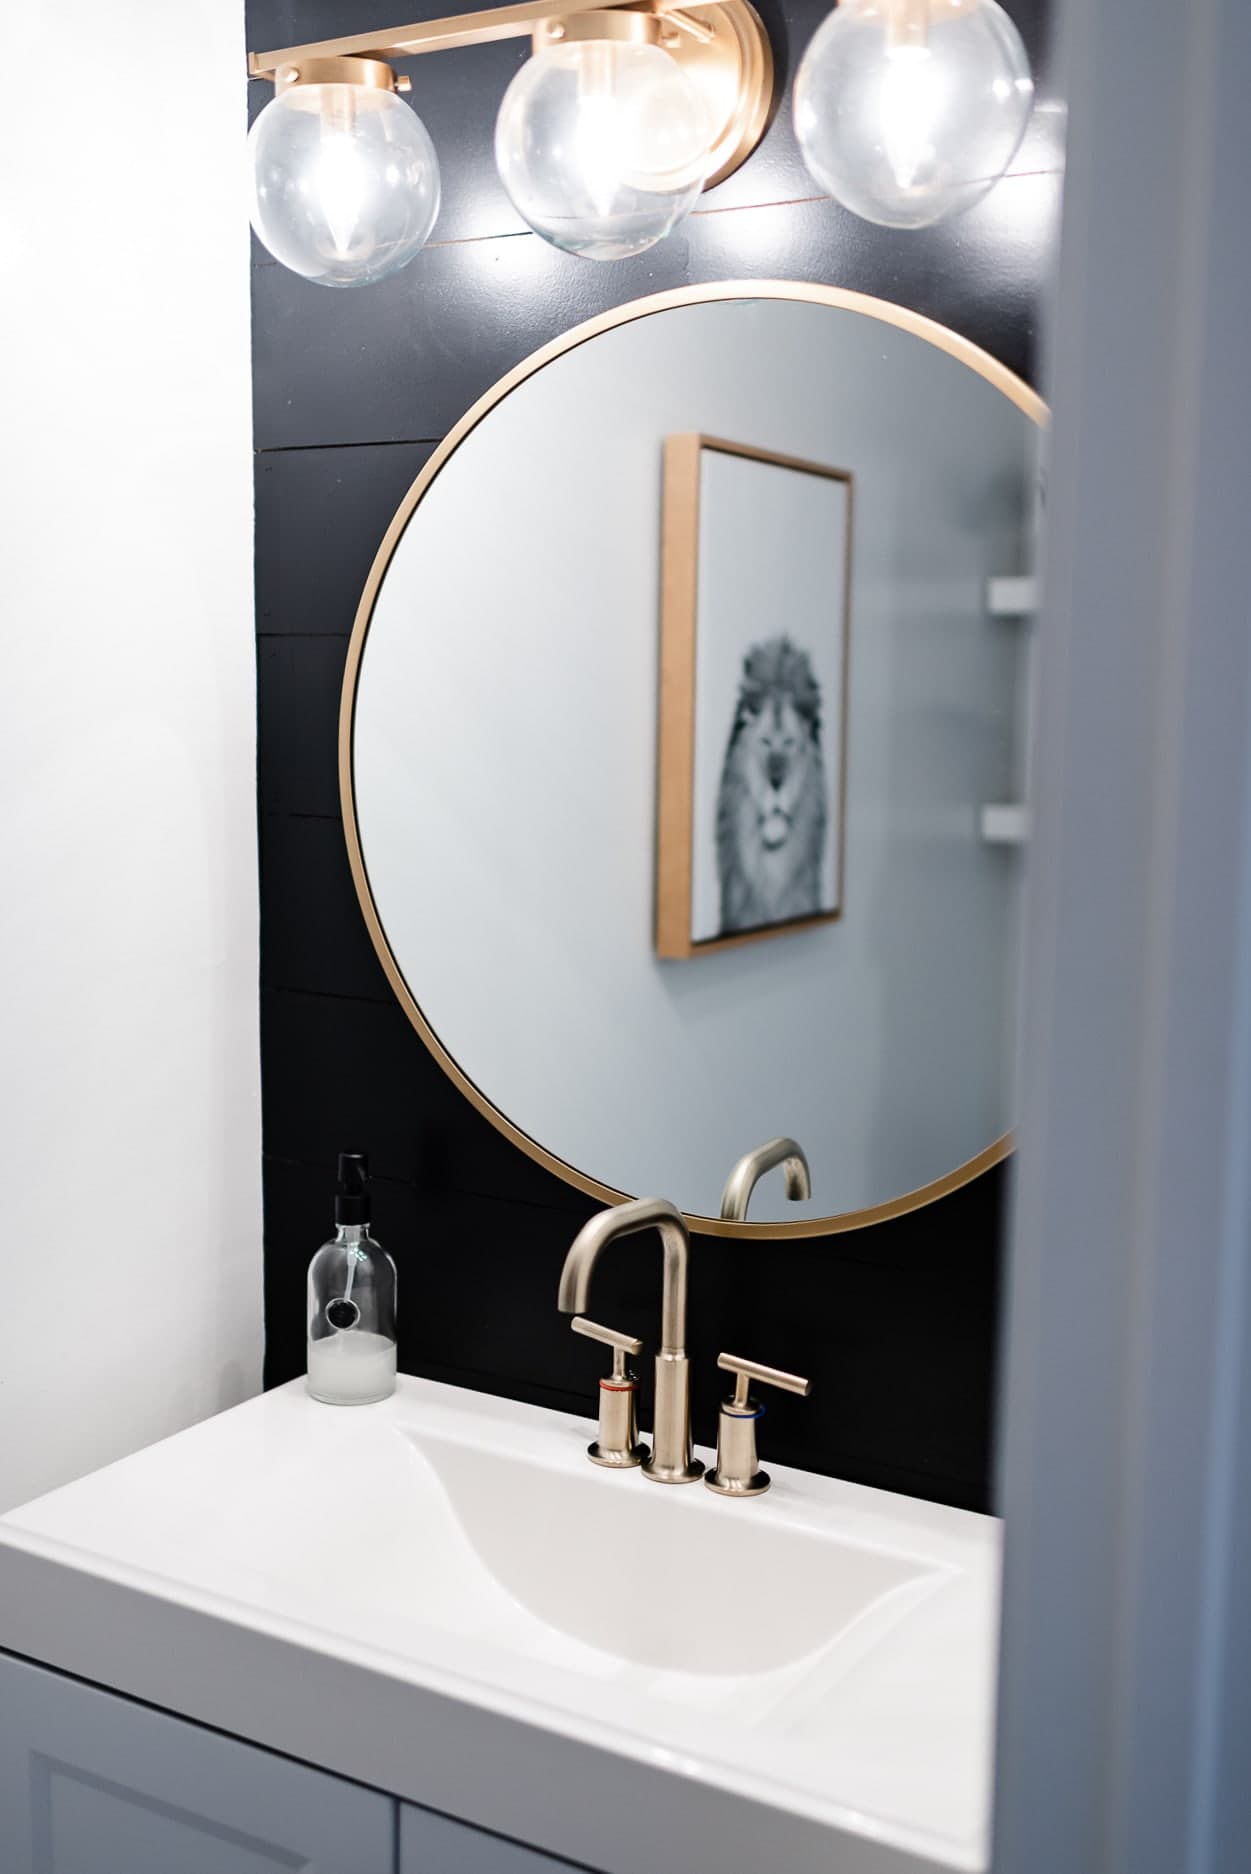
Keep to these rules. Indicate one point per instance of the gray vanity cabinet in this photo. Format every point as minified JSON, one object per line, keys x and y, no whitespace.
{"x":431,"y":1844}
{"x":94,"y":1784}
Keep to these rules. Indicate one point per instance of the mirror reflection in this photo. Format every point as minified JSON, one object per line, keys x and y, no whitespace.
{"x":681,"y":768}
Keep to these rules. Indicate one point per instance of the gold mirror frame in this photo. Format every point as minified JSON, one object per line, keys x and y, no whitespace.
{"x":1012,"y":387}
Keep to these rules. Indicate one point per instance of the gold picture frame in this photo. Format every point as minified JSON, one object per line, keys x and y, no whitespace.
{"x":887,"y":313}
{"x":679,"y":629}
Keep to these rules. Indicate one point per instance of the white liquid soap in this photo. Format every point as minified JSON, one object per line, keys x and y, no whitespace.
{"x":351,"y":1301}
{"x":354,"y":1368}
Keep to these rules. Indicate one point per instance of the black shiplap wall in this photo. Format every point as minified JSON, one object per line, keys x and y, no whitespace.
{"x":896,"y":1325}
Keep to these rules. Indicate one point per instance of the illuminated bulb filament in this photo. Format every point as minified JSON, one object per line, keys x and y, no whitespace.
{"x":341,"y":184}
{"x":601,"y":133}
{"x":911,"y":103}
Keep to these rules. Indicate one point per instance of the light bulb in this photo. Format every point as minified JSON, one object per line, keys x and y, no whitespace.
{"x":340,"y":182}
{"x":345,"y":182}
{"x":602,"y":145}
{"x":910,"y":110}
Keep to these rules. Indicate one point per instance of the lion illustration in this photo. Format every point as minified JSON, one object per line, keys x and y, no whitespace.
{"x":771,"y":803}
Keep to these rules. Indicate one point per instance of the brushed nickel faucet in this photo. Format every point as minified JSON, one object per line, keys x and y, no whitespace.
{"x":749,"y":1170}
{"x":671,"y":1460}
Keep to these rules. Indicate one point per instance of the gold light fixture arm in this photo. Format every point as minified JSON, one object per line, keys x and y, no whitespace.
{"x":721,"y":45}
{"x":445,"y":35}
{"x":407,"y":42}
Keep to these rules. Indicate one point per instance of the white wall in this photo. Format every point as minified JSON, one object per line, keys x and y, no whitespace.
{"x":129,"y":1102}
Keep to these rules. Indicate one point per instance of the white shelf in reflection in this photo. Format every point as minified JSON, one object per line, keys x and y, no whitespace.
{"x":1015,"y":597}
{"x":1005,"y":825}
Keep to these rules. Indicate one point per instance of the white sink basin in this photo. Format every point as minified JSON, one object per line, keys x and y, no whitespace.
{"x":642,"y":1578}
{"x":805,"y":1677}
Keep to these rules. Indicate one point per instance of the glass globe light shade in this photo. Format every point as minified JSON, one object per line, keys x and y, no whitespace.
{"x":910,"y":110}
{"x":345,"y":182}
{"x":603,"y":146}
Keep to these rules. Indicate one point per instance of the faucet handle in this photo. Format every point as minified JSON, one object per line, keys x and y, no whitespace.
{"x":621,"y":1344}
{"x":736,"y":1474}
{"x":617,"y":1446}
{"x":767,"y":1375}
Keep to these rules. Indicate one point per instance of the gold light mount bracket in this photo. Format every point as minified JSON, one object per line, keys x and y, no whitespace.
{"x":721,"y":45}
{"x":372,"y":74}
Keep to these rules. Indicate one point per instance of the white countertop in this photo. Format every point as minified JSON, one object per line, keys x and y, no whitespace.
{"x":440,"y":1596}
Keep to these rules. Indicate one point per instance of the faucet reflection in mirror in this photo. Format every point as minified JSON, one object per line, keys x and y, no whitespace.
{"x":752,"y":1166}
{"x":671,"y":1460}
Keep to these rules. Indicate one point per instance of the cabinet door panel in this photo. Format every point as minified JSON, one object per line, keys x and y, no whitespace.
{"x":434,"y":1844}
{"x":91,"y":1783}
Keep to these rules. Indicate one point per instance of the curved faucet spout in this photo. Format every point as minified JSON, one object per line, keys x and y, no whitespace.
{"x":749,"y":1170}
{"x":644,"y":1213}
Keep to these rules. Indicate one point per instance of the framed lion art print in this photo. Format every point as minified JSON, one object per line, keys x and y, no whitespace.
{"x":753,"y":695}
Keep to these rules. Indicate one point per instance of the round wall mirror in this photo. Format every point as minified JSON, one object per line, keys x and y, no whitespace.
{"x":682,"y":738}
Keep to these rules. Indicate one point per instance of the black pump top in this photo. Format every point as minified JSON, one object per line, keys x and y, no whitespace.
{"x":351,"y":1200}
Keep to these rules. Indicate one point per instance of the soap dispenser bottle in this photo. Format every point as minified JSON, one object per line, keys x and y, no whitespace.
{"x":351,"y":1301}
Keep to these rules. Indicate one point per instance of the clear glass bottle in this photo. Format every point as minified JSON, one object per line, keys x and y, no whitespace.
{"x":351,"y":1301}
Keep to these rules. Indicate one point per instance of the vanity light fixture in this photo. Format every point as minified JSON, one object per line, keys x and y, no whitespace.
{"x":908,"y":111}
{"x":345,"y":181}
{"x":604,"y":141}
